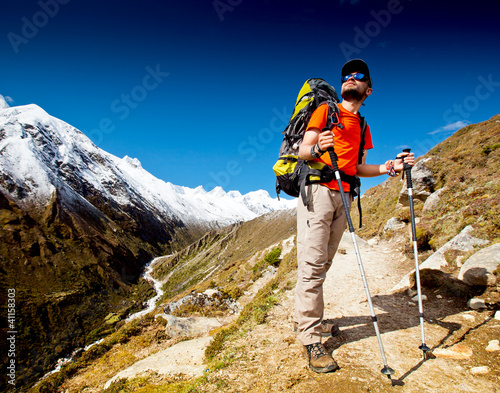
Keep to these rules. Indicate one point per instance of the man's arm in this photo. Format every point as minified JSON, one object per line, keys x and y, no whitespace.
{"x":314,"y":137}
{"x":367,"y":170}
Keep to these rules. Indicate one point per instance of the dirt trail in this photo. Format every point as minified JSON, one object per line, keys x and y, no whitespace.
{"x":269,"y":358}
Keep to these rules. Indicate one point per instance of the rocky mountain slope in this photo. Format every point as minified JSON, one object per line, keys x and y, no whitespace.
{"x":77,"y":227}
{"x":456,"y":184}
{"x":252,"y":347}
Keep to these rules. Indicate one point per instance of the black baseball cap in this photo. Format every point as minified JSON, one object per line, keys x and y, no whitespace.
{"x":359,"y":66}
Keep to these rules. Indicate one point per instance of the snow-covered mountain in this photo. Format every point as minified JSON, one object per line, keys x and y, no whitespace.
{"x":78,"y":225}
{"x":40,"y":153}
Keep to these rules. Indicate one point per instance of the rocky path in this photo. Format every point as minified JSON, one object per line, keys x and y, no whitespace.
{"x":269,"y":358}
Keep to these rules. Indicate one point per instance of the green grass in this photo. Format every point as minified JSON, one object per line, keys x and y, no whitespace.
{"x":255,"y":312}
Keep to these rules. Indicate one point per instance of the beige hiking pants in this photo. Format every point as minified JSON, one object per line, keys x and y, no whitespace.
{"x":319,"y":230}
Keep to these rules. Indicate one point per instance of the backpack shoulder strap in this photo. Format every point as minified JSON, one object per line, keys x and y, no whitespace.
{"x":362,"y":124}
{"x":361,"y":152}
{"x":333,"y":116}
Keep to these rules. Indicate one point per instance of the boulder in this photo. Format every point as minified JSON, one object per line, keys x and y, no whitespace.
{"x":432,"y":201}
{"x":461,"y":242}
{"x":479,"y":268}
{"x":457,"y":351}
{"x":186,"y":357}
{"x":480,"y":370}
{"x":393,"y":224}
{"x":493,"y":346}
{"x":423,"y":183}
{"x":476,"y":303}
{"x":188,"y":327}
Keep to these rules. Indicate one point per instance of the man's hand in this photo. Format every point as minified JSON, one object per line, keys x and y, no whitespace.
{"x":326,"y":140}
{"x":312,"y":136}
{"x":409,"y":158}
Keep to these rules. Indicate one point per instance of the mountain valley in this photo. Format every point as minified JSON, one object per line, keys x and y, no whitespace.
{"x":79,"y":225}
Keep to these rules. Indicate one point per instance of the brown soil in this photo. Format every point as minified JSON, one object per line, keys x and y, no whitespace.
{"x":269,"y":358}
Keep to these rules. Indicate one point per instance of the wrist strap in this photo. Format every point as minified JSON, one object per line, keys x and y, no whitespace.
{"x":318,"y":148}
{"x":313,"y":152}
{"x":389,"y":166}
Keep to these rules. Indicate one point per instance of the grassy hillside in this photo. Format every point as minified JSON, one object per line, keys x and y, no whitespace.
{"x":67,"y":273}
{"x":229,"y":259}
{"x":466,"y":169}
{"x":71,"y":265}
{"x":217,"y":258}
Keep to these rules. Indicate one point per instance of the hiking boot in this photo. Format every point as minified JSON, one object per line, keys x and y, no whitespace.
{"x":320,"y":361}
{"x":328,"y":328}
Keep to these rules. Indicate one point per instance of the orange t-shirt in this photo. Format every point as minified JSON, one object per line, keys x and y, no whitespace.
{"x":347,"y":141}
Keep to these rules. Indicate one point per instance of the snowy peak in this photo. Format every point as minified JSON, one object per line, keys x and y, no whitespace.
{"x":79,"y":224}
{"x":41,"y":153}
{"x":133,"y":162}
{"x":3,"y":102}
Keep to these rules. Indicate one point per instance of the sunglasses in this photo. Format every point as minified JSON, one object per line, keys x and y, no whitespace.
{"x":357,"y":76}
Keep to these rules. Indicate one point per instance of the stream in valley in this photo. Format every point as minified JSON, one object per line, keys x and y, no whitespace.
{"x":150,"y":306}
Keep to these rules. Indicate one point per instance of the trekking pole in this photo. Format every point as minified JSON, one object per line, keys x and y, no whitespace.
{"x":407,"y":171}
{"x":333,"y":157}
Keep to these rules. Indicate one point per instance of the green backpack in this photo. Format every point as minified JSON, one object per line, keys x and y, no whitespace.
{"x":292,"y":173}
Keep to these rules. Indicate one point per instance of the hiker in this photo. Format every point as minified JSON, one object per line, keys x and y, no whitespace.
{"x":321,"y":219}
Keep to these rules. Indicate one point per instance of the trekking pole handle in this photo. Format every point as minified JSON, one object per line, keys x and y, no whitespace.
{"x":407,"y":170}
{"x":333,"y":156}
{"x":405,"y":164}
{"x":333,"y":159}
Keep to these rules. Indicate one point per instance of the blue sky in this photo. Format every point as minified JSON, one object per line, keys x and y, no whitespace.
{"x":199,"y":91}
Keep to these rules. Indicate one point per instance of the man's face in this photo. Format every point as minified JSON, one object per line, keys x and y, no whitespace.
{"x":355,"y":90}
